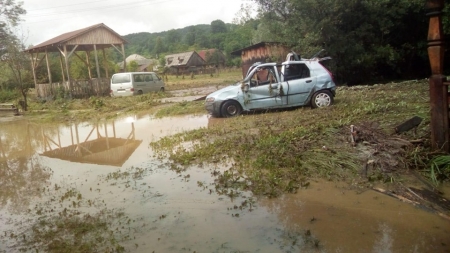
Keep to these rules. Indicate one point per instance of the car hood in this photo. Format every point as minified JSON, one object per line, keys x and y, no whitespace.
{"x":225,"y":91}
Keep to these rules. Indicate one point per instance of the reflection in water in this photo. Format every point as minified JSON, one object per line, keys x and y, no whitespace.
{"x":22,"y":176}
{"x":384,"y":243}
{"x":103,"y":149}
{"x":145,"y":206}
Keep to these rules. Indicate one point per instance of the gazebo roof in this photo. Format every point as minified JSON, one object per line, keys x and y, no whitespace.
{"x":99,"y":35}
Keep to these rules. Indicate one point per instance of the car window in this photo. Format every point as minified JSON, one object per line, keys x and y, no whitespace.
{"x":121,"y":78}
{"x":263,"y":76}
{"x":296,"y":71}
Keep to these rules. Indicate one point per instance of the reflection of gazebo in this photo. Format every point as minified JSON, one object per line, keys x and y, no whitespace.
{"x":104,"y":150}
{"x":87,"y":40}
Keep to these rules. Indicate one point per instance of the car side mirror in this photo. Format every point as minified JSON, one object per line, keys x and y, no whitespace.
{"x":274,"y":85}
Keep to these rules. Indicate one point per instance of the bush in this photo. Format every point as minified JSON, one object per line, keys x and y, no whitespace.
{"x":8,"y":95}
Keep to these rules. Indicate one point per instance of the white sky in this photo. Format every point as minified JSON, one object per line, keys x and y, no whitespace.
{"x":46,"y":19}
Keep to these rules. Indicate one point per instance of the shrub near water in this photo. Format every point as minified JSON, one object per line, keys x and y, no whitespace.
{"x":280,"y":151}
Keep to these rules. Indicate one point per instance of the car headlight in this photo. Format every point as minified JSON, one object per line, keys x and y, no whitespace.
{"x":210,"y":99}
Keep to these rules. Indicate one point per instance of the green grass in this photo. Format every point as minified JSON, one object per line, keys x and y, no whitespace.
{"x":278,"y":152}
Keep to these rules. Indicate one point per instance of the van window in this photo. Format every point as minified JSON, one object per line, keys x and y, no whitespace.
{"x":121,"y":78}
{"x":138,"y":78}
{"x":155,"y":77}
{"x":148,"y":78}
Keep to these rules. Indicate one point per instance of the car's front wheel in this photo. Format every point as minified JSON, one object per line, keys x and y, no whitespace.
{"x":231,"y":109}
{"x":321,"y":98}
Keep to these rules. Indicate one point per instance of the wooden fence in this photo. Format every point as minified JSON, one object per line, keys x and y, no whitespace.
{"x":80,"y":89}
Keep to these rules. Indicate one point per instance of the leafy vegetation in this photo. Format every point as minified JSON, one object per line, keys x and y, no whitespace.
{"x":271,"y":153}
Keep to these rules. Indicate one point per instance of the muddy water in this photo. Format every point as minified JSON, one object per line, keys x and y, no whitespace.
{"x":89,"y":168}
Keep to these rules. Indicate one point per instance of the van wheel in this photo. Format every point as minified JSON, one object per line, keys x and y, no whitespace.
{"x":321,"y":98}
{"x":162,"y":89}
{"x":231,"y":109}
{"x":140,"y":92}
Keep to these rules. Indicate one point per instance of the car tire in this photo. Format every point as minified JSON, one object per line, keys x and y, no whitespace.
{"x":162,"y":89}
{"x":321,"y":98}
{"x":140,"y":92}
{"x":231,"y":109}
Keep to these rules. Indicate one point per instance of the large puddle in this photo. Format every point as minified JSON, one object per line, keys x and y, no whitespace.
{"x":51,"y":172}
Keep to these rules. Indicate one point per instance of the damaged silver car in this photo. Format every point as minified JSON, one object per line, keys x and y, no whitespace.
{"x":293,"y":83}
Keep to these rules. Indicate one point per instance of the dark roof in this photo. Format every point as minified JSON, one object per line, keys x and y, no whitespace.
{"x":202,"y":53}
{"x":61,"y":40}
{"x":257,"y":45}
{"x":180,"y":59}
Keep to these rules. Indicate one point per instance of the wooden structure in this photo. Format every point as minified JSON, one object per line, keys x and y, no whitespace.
{"x":87,"y":40}
{"x":104,"y":150}
{"x":261,"y":52}
{"x":184,"y":63}
{"x":439,"y":86}
{"x":9,"y":108}
{"x":214,"y":58}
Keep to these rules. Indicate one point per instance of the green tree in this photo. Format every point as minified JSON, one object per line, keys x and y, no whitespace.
{"x":159,"y":47}
{"x":218,"y":26}
{"x":132,"y":66}
{"x":17,"y":63}
{"x":368,"y":40}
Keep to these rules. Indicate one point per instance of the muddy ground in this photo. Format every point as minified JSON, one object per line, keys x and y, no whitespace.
{"x":99,"y":188}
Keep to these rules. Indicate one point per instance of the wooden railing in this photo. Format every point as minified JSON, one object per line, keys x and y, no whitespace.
{"x":80,"y":89}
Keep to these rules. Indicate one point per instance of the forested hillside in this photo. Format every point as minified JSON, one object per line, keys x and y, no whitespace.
{"x":369,"y":41}
{"x":226,"y":37}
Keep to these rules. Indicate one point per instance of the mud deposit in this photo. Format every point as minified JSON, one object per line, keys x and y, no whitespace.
{"x":98,"y":188}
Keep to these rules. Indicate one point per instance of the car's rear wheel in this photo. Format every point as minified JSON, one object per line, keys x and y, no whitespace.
{"x":231,"y":109}
{"x":140,"y":92}
{"x":321,"y":98}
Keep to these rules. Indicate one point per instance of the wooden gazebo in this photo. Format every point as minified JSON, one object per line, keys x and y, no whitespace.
{"x":92,"y":38}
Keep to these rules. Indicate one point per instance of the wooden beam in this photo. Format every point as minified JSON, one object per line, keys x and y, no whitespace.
{"x":88,"y":60}
{"x":96,"y":61}
{"x":124,"y":60}
{"x":66,"y":59}
{"x":33,"y":69}
{"x":62,"y":67}
{"x":105,"y":64}
{"x":49,"y":73}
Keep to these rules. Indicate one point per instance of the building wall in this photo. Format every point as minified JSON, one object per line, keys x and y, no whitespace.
{"x":266,"y":53}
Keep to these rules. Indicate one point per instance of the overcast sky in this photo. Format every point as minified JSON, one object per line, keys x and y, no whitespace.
{"x":46,"y":19}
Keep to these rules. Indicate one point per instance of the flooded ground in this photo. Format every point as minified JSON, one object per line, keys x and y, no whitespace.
{"x":99,"y":188}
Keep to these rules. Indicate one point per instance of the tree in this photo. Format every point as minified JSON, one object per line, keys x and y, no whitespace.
{"x":11,"y":48}
{"x":132,"y":66}
{"x":218,"y":26}
{"x":368,"y":40}
{"x":17,"y":63}
{"x":159,"y":47}
{"x":10,"y":13}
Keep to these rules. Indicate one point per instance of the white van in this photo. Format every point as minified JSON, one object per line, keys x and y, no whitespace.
{"x":135,"y":83}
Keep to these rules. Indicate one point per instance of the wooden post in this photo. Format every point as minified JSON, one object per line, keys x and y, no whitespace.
{"x":88,"y":63}
{"x":48,"y":69}
{"x":62,"y":68}
{"x":124,"y":60}
{"x":33,"y":68}
{"x":66,"y":58}
{"x":105,"y":64}
{"x":96,"y":61}
{"x":438,"y":90}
